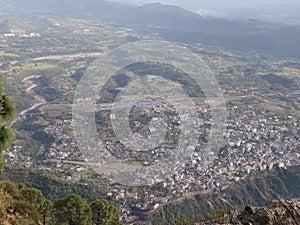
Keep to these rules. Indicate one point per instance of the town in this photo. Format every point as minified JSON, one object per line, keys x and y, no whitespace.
{"x":254,"y":140}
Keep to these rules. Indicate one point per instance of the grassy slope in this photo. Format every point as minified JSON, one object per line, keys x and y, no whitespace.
{"x":51,"y":186}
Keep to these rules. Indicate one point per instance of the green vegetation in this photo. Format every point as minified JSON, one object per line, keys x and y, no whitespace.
{"x":104,"y":214}
{"x":22,"y":205}
{"x":74,"y":210}
{"x":256,"y":190}
{"x":53,"y":185}
{"x":7,"y":114}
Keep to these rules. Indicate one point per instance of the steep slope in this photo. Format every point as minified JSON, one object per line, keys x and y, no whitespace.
{"x":275,"y":212}
{"x":256,"y":190}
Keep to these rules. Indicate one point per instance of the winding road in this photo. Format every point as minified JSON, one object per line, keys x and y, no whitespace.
{"x":38,"y":100}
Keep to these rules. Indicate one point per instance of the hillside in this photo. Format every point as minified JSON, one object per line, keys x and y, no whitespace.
{"x":256,"y":190}
{"x":275,"y":212}
{"x":176,"y":24}
{"x":22,"y":205}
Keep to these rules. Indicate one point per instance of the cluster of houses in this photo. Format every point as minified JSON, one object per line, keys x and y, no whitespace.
{"x":64,"y":146}
{"x":254,"y":140}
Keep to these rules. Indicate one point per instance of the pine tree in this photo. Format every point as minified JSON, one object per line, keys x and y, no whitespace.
{"x":7,"y":114}
{"x":73,"y":210}
{"x":104,"y":213}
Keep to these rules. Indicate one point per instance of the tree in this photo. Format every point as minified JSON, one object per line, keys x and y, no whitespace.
{"x":10,"y":188}
{"x":18,"y":202}
{"x":7,"y":114}
{"x":42,"y":207}
{"x":72,"y":210}
{"x":104,"y":214}
{"x":46,"y":211}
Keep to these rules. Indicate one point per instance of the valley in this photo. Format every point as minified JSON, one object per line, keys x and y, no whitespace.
{"x":259,"y":155}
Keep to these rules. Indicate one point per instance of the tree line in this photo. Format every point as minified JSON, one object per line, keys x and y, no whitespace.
{"x":24,"y":205}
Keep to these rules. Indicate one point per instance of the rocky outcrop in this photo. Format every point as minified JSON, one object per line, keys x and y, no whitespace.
{"x":277,"y":212}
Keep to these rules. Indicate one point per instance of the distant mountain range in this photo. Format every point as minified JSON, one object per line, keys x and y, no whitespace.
{"x":176,"y":24}
{"x":286,"y":11}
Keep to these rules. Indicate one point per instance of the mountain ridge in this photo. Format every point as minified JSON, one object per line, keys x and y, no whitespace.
{"x":173,"y":23}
